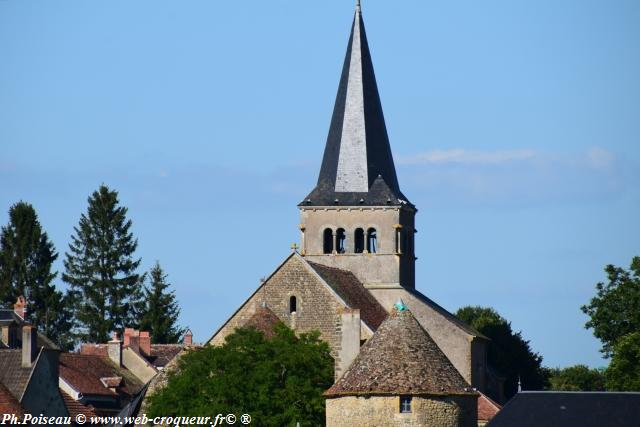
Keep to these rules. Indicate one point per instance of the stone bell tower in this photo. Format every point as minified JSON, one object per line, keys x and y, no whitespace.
{"x":356,"y":218}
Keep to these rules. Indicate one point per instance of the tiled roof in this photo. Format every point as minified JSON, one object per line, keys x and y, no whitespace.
{"x":345,"y":284}
{"x":12,"y":374}
{"x":74,"y":407}
{"x":161,"y":354}
{"x":264,"y":319}
{"x":487,"y":408}
{"x":84,"y":373}
{"x":569,"y":409}
{"x":9,"y":404}
{"x":400,"y":358}
{"x":95,"y":349}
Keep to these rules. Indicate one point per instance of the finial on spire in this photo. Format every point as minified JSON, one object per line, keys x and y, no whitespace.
{"x":358,"y":6}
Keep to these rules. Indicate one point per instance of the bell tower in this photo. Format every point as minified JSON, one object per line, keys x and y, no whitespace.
{"x":356,"y":218}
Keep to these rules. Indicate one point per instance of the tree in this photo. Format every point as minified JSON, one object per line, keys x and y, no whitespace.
{"x":26,"y":259}
{"x":101,"y":270}
{"x":508,"y":353}
{"x":278,"y":381}
{"x":615,"y":310}
{"x":161,"y":311}
{"x":623,"y":373}
{"x":577,"y":378}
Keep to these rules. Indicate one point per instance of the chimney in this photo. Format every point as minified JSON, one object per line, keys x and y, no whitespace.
{"x":20,"y":307}
{"x":29,"y":345}
{"x":350,"y":339}
{"x":132,"y":339}
{"x":188,"y":338}
{"x":114,"y":349}
{"x":145,"y":343}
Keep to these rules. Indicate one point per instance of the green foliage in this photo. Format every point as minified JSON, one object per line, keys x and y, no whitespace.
{"x":615,"y":310}
{"x":623,"y":373}
{"x":26,"y":258}
{"x":577,"y":378}
{"x":100,"y":269}
{"x":160,"y":312}
{"x":278,"y":381}
{"x":508,"y":353}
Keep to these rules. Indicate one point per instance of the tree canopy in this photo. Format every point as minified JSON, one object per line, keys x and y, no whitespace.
{"x":26,"y":259}
{"x":101,"y":270}
{"x":160,"y":311}
{"x":508,"y":353}
{"x":615,"y":310}
{"x":614,"y":316}
{"x":577,"y":378}
{"x":278,"y":381}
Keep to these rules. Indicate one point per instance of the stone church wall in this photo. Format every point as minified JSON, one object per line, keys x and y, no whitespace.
{"x":317,"y":308}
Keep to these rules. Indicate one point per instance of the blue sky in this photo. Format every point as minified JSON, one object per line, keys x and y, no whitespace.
{"x":515,"y":128}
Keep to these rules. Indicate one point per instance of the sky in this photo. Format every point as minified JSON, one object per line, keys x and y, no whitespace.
{"x":515,"y":128}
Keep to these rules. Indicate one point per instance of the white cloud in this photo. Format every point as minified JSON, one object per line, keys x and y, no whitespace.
{"x":464,"y":156}
{"x":599,"y":158}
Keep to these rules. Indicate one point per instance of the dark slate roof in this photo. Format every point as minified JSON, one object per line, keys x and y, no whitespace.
{"x":357,"y":166}
{"x":400,"y":358}
{"x":12,"y":374}
{"x":570,"y":409}
{"x":351,"y":290}
{"x":85,"y":372}
{"x":264,"y":320}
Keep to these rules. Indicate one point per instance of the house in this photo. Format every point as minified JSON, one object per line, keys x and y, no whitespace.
{"x":28,"y":367}
{"x":569,"y":409}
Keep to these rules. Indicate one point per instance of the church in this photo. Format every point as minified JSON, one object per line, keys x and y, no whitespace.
{"x":353,"y":273}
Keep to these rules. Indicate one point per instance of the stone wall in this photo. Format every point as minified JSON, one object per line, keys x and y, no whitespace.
{"x":392,"y":264}
{"x":384,"y":411}
{"x":318,"y":308}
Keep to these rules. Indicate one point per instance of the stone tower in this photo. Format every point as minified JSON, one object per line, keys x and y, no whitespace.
{"x":356,"y":218}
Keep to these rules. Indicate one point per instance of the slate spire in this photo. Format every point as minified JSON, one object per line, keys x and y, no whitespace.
{"x":357,"y":166}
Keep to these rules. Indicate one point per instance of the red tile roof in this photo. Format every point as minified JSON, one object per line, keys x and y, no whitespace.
{"x":487,"y":408}
{"x":74,"y":407}
{"x":264,"y":320}
{"x":161,"y":354}
{"x":9,"y":404}
{"x":84,"y":373}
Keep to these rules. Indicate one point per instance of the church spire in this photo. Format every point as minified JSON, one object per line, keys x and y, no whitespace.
{"x":357,"y":166}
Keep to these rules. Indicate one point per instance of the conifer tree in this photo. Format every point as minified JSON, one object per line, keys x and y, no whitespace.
{"x":101,"y":269}
{"x":161,"y":311}
{"x":26,"y":259}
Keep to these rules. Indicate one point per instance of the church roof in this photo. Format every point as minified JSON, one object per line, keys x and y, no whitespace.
{"x":357,"y":167}
{"x":351,"y":290}
{"x":400,"y":358}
